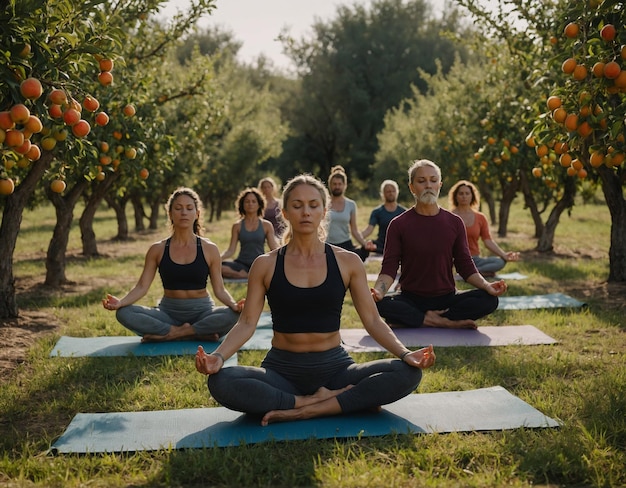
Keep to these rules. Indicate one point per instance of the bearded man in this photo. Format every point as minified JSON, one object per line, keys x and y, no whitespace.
{"x":428,"y":242}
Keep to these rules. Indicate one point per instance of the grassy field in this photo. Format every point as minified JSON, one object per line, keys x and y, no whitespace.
{"x":579,"y":381}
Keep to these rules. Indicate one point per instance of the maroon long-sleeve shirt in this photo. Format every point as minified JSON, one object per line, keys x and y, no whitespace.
{"x":426,"y":248}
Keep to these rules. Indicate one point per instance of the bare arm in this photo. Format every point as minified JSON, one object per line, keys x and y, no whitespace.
{"x":354,"y":229}
{"x":246,"y":325}
{"x":234,"y":238}
{"x":212,"y":256}
{"x":367,"y":231}
{"x":372,"y":321}
{"x":496,"y":288}
{"x":150,"y":266}
{"x":270,"y":236}
{"x":498,"y":251}
{"x":381,"y":287}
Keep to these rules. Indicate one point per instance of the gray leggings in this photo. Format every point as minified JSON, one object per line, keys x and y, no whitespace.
{"x":488,"y":264}
{"x":284,"y":374}
{"x":201,"y":313}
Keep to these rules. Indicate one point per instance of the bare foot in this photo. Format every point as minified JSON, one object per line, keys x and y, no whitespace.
{"x":324,"y":408}
{"x":176,"y":333}
{"x":319,"y":396}
{"x":434,"y":318}
{"x":320,"y":404}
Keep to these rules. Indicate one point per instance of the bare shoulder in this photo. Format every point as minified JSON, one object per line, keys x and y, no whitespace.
{"x":155,"y":251}
{"x":347,"y":259}
{"x":266,"y":260}
{"x":208,"y":246}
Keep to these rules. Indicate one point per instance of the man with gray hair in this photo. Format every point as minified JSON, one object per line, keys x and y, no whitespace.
{"x":382,"y":215}
{"x":429,"y":241}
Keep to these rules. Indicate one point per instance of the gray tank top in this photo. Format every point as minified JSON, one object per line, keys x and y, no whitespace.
{"x":252,"y":244}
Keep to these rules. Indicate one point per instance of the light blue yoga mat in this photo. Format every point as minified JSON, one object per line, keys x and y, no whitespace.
{"x":132,"y":345}
{"x":528,"y":302}
{"x":484,"y":409}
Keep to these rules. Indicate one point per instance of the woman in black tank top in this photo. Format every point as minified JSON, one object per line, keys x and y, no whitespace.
{"x":185,"y":261}
{"x":307,"y":373}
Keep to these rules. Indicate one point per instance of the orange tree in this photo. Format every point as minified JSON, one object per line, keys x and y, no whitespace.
{"x":46,"y":133}
{"x":585,"y":110}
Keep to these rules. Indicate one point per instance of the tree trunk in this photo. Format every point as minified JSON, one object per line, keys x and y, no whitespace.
{"x":119,"y":206}
{"x":546,"y":239}
{"x":509,"y":192}
{"x":55,"y":257}
{"x":14,"y":206}
{"x":154,"y":215}
{"x":135,"y":199}
{"x":612,"y":183}
{"x":87,"y":234}
{"x":531,"y":204}
{"x":487,"y":197}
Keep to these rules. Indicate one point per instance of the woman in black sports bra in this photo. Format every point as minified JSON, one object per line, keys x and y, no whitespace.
{"x":185,"y":262}
{"x":307,"y":373}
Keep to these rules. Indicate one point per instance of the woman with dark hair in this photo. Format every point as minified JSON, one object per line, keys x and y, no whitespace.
{"x":307,"y":373}
{"x":251,"y":231}
{"x":185,"y":261}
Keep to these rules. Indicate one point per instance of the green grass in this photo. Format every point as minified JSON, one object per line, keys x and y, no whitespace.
{"x":579,"y":381}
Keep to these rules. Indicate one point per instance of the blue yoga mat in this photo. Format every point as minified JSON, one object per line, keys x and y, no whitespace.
{"x":132,"y":345}
{"x":528,"y":302}
{"x":483,"y":409}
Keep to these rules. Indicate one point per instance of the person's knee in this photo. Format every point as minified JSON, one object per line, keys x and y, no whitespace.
{"x":412,"y":376}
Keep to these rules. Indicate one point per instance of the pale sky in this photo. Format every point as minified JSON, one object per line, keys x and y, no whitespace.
{"x":257,"y":23}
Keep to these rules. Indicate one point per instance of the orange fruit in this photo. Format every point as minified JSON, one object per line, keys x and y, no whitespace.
{"x":571,"y":122}
{"x":541,"y":150}
{"x":612,"y":70}
{"x":608,"y":32}
{"x":58,"y":186}
{"x":568,"y":66}
{"x":571,"y":30}
{"x":31,"y":88}
{"x":559,"y":115}
{"x":537,"y":172}
{"x":553,"y":102}
{"x":598,"y":69}
{"x":620,"y":81}
{"x":19,"y":113}
{"x":105,"y":64}
{"x":596,"y":159}
{"x":580,"y":72}
{"x":81,"y":128}
{"x":7,"y":186}
{"x":105,"y":78}
{"x":565,"y":160}
{"x":584,"y":129}
{"x":582,"y":173}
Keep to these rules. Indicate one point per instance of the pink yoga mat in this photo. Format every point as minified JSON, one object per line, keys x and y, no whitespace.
{"x":358,"y":340}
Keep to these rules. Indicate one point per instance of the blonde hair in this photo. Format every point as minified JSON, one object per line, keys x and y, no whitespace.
{"x":292,"y":184}
{"x":338,"y":171}
{"x":453,"y":202}
{"x":271,"y":181}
